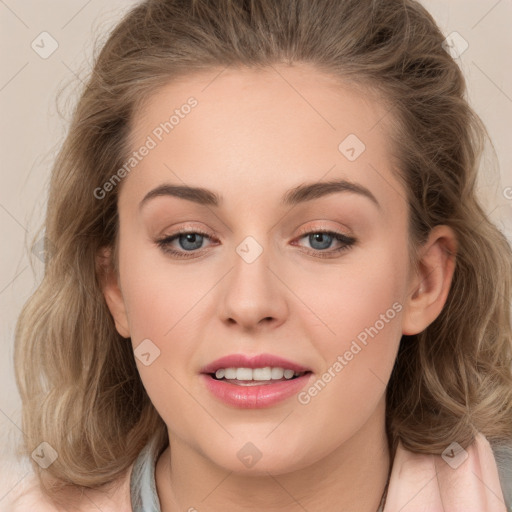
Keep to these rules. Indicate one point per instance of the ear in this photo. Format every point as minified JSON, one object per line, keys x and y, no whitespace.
{"x":430,"y":286}
{"x":109,"y":282}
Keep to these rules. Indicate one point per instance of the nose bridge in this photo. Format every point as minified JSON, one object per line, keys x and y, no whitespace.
{"x":253,"y":292}
{"x":250,"y":277}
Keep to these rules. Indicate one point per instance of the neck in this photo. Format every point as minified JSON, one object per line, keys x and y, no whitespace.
{"x":351,"y":477}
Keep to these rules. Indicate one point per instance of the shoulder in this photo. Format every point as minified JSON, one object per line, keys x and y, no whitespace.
{"x":26,"y":496}
{"x":483,"y":473}
{"x":29,"y":497}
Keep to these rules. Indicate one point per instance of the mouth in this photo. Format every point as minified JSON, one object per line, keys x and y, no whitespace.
{"x":256,"y":376}
{"x":254,"y":381}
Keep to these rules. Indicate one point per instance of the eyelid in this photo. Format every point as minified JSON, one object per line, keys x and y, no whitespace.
{"x":323,"y":228}
{"x":305,"y":230}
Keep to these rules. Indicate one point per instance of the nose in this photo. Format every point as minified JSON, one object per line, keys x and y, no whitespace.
{"x":253,"y":294}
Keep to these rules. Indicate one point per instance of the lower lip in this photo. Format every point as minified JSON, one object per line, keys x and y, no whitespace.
{"x":255,"y":397}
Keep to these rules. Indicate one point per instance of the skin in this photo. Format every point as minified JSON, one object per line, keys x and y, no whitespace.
{"x":254,"y":135}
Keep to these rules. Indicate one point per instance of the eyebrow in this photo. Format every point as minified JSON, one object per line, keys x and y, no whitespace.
{"x":300,"y":194}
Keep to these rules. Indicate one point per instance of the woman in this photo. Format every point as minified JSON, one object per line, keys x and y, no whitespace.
{"x":271,"y":283}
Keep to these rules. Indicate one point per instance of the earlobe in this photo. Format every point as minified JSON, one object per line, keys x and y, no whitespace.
{"x":111,"y":290}
{"x":430,"y":287}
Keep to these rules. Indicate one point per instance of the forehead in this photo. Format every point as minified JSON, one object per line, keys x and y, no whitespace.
{"x":261,"y":130}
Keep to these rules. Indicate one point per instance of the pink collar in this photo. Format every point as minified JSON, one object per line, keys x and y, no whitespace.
{"x":457,"y":481}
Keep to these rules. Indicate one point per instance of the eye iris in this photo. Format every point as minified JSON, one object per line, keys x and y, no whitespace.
{"x":321,"y":235}
{"x":193,"y":237}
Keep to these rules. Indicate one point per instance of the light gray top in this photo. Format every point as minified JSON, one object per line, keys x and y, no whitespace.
{"x":143,"y":495}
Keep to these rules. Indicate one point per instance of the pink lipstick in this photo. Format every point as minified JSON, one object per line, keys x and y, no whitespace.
{"x":254,"y":382}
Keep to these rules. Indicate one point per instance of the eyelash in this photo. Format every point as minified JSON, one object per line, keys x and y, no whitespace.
{"x":348,"y":241}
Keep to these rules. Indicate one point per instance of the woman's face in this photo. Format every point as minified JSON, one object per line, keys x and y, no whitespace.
{"x":255,"y":275}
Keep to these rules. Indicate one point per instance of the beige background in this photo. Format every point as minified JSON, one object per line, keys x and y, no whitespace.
{"x":31,"y":131}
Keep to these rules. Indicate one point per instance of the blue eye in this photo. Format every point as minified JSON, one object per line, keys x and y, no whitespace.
{"x":320,"y":240}
{"x":191,"y":241}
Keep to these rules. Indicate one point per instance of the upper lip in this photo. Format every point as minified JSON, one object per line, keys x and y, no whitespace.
{"x":256,"y":361}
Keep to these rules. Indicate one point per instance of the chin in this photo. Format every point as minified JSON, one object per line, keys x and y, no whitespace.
{"x":260,"y":457}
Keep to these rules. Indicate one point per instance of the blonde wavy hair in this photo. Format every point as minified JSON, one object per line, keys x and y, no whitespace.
{"x":77,"y":377}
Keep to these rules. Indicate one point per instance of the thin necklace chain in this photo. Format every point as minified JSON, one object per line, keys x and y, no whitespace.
{"x":384,"y":495}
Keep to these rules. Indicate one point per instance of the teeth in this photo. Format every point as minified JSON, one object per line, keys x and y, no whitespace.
{"x":288,"y":374}
{"x":230,"y":373}
{"x":277,"y":373}
{"x":263,"y":373}
{"x":244,"y":374}
{"x":266,"y":373}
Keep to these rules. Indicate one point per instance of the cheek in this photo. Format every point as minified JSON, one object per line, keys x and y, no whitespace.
{"x":354,"y":320}
{"x":162,"y":302}
{"x":364,"y":291}
{"x":159,"y":294}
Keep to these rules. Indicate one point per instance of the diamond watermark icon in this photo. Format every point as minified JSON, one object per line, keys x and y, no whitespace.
{"x":249,"y":454}
{"x":455,"y":45}
{"x":43,"y":249}
{"x":352,"y":147}
{"x":249,"y":249}
{"x":45,"y":455}
{"x":44,"y":45}
{"x":146,"y":352}
{"x":454,"y":455}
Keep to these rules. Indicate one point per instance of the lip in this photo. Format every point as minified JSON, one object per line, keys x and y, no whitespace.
{"x":254,"y":397}
{"x":257,"y":361}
